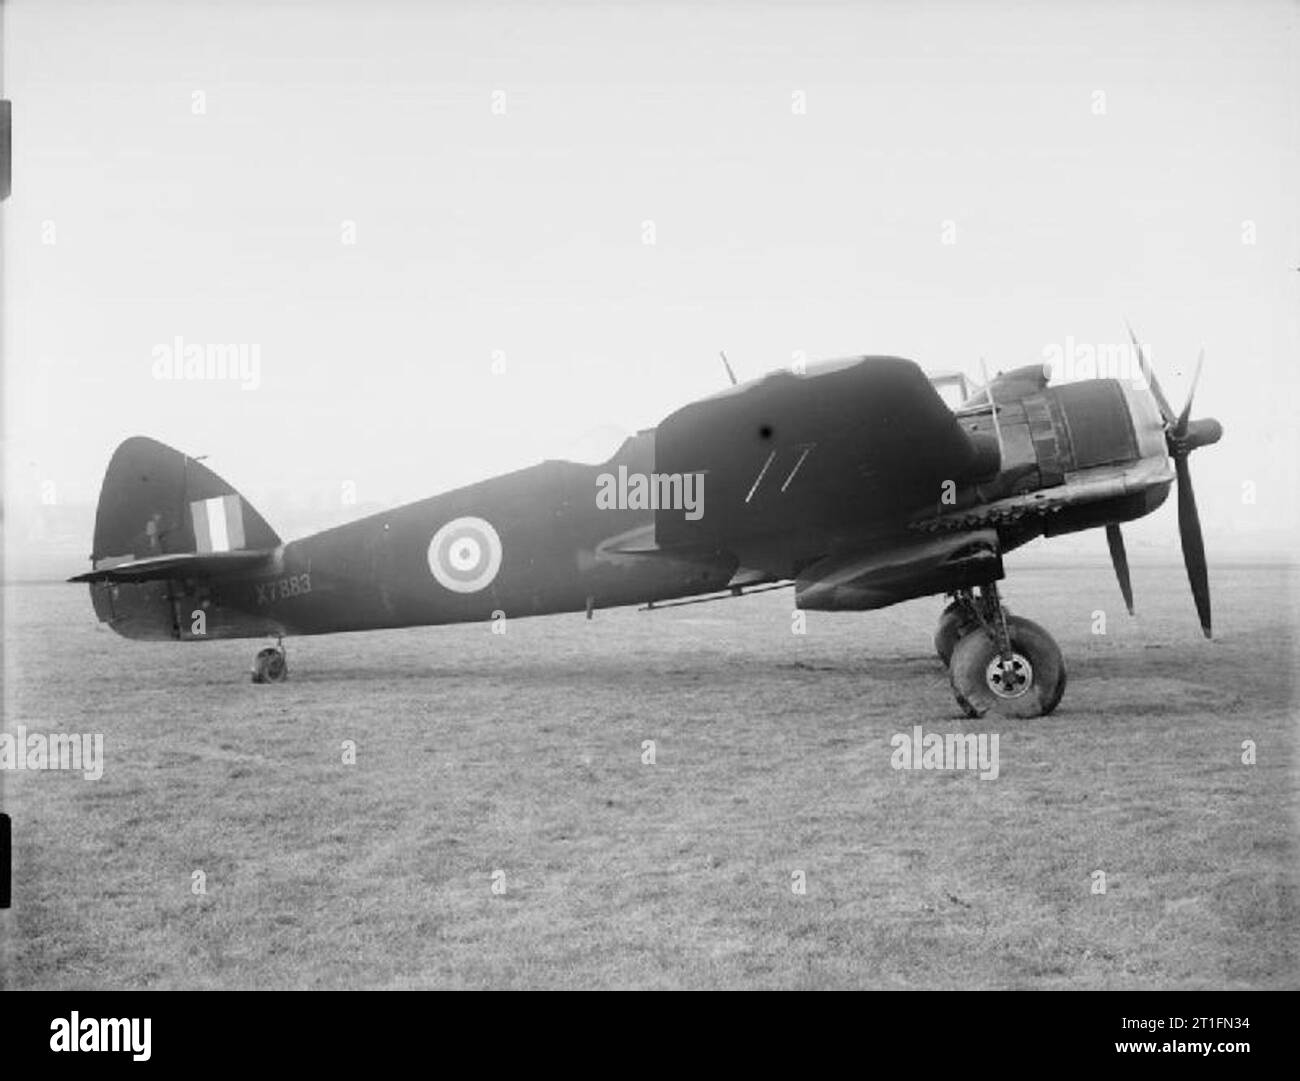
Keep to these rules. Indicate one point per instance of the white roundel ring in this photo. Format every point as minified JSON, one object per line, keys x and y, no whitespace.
{"x":465,"y":555}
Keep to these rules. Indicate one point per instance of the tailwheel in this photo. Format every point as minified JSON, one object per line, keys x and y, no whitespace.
{"x":270,"y":665}
{"x":1026,"y":679}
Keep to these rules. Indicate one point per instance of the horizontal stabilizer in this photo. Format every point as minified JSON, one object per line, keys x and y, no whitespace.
{"x":180,"y":565}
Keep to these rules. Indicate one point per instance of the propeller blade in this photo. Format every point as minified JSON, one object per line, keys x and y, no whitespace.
{"x":1180,"y":428}
{"x":1189,"y":533}
{"x":1152,"y":382}
{"x":1119,"y":558}
{"x":1182,"y":435}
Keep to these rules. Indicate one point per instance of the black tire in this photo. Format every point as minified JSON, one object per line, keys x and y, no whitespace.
{"x":976,"y":678}
{"x":270,"y":666}
{"x":956,"y":622}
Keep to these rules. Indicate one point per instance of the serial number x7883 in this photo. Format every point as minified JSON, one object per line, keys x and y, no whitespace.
{"x":295,"y":585}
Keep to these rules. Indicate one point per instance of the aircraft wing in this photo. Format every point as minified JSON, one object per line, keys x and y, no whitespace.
{"x":179,"y":565}
{"x":847,"y":447}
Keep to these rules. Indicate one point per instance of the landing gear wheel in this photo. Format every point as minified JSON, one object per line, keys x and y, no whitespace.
{"x":1029,"y":684}
{"x":956,"y":622}
{"x":270,"y":666}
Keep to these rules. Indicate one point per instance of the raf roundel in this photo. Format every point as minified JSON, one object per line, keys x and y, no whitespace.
{"x":465,"y":555}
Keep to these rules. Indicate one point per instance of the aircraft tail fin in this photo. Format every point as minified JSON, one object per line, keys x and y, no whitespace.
{"x":166,"y":529}
{"x":156,"y":501}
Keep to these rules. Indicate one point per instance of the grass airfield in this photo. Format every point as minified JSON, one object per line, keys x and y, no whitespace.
{"x":521,"y":753}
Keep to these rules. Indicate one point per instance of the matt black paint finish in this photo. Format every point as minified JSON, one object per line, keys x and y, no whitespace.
{"x":836,"y":478}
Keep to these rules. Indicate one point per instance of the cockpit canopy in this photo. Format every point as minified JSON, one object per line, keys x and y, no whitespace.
{"x":953,"y":387}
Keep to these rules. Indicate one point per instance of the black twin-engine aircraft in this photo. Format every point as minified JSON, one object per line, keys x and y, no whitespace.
{"x":853,"y":481}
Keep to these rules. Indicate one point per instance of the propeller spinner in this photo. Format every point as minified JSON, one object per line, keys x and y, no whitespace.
{"x":1182,"y":436}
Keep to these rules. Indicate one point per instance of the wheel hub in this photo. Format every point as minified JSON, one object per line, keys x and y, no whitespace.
{"x":1009,"y":678}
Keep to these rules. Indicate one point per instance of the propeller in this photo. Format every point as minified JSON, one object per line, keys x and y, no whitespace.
{"x":1115,"y":539}
{"x":1182,"y":436}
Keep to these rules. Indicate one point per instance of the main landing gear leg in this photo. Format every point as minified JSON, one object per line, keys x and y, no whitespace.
{"x":271,"y":665}
{"x":960,"y":618}
{"x":1001,"y":664}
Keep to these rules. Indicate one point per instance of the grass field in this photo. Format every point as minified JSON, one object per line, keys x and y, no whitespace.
{"x":522,"y":753}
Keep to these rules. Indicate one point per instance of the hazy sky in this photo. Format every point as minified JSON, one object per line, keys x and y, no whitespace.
{"x":386,"y":198}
